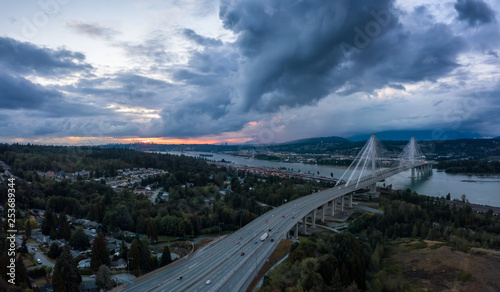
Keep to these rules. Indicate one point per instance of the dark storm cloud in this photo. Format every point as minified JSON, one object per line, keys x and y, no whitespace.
{"x":93,"y":30}
{"x":200,"y":40}
{"x":123,"y":88}
{"x":26,"y":58}
{"x":475,"y":12}
{"x":19,"y":93}
{"x":297,"y":52}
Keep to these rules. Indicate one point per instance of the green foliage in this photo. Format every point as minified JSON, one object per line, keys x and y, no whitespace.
{"x":103,"y":278}
{"x":327,"y":263}
{"x":37,"y":272}
{"x":66,"y":277}
{"x":166,"y":258}
{"x":470,"y":166}
{"x":54,"y":251}
{"x":100,"y":252}
{"x":79,"y":240}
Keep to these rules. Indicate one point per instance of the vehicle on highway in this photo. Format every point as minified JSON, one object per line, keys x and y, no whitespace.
{"x":269,"y":230}
{"x":255,"y":242}
{"x":208,"y":282}
{"x":263,"y":237}
{"x":180,"y":277}
{"x":39,"y":261}
{"x":238,"y":242}
{"x":282,"y":216}
{"x":242,"y":254}
{"x":92,"y":276}
{"x":272,"y":240}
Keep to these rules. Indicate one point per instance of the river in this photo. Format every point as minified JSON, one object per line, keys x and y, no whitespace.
{"x":479,"y":189}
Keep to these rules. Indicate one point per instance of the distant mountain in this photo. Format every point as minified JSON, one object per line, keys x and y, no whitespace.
{"x":497,"y":138}
{"x":420,"y":135}
{"x":316,"y":140}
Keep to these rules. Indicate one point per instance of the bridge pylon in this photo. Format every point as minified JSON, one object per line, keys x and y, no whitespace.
{"x":366,"y":164}
{"x":411,"y":155}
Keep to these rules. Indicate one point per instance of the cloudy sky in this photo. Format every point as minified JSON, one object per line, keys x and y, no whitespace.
{"x":206,"y":71}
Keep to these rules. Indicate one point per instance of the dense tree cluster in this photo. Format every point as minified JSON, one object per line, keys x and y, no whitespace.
{"x":194,"y":205}
{"x":470,"y":166}
{"x":408,"y":214}
{"x":323,"y":263}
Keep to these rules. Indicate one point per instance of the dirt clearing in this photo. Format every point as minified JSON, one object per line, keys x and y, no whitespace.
{"x":432,"y":266}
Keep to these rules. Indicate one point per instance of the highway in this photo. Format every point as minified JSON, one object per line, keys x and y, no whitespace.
{"x":222,"y":263}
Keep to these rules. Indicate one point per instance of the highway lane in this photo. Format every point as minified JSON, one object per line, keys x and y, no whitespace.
{"x":222,"y":263}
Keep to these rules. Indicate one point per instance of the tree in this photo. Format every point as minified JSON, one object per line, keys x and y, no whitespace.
{"x":21,"y":273}
{"x":103,"y":278}
{"x":134,"y":255}
{"x":28,"y":228}
{"x":100,"y":252}
{"x":24,"y":247}
{"x":79,"y":240}
{"x":122,"y":218}
{"x":66,"y":277}
{"x":54,"y":251}
{"x":48,"y":222}
{"x":123,"y":250}
{"x":151,"y":230}
{"x":463,"y":198}
{"x":165,"y":256}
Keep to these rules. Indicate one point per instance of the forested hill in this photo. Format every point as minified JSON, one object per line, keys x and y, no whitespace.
{"x":199,"y":196}
{"x":70,"y":159}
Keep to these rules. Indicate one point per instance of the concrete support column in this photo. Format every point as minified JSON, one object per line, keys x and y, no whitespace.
{"x":342,"y":203}
{"x":314,"y":218}
{"x":304,"y":225}
{"x":323,"y":211}
{"x":373,"y":188}
{"x":412,"y":173}
{"x":297,"y":230}
{"x":350,"y":201}
{"x":333,"y":208}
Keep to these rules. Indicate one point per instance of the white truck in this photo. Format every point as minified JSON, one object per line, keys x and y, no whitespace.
{"x":263,"y":237}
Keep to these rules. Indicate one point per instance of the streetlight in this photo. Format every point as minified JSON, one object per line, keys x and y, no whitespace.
{"x":128,"y":265}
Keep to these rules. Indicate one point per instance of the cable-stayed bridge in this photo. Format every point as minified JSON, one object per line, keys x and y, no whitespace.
{"x":230,"y":264}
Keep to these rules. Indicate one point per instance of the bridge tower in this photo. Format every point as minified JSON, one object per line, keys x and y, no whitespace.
{"x":411,"y":155}
{"x":367,"y":164}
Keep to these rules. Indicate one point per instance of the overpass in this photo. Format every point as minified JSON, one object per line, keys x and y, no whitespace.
{"x":231,"y":263}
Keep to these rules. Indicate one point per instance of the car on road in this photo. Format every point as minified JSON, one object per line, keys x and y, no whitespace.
{"x":238,"y":242}
{"x":242,"y":254}
{"x":33,"y":248}
{"x":92,"y":276}
{"x":282,"y":216}
{"x":39,"y":261}
{"x":272,"y":240}
{"x":179,"y":278}
{"x":208,"y":282}
{"x":255,"y":242}
{"x":269,"y":230}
